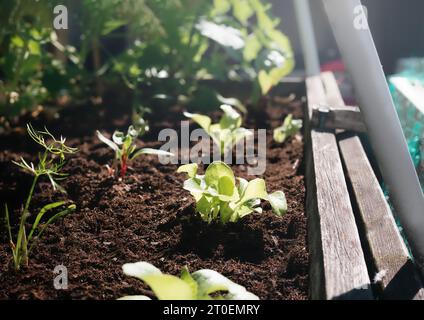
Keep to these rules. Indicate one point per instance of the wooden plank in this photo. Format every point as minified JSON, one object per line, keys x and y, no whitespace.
{"x":389,"y":255}
{"x":386,"y":248}
{"x":332,"y":92}
{"x":338,"y":269}
{"x":344,"y":117}
{"x":315,"y":93}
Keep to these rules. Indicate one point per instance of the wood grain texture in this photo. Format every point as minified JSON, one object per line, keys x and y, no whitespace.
{"x":333,"y":95}
{"x":338,"y":269}
{"x":399,"y":279}
{"x":386,"y":251}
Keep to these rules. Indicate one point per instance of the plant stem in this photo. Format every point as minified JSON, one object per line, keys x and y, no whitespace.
{"x":21,"y":250}
{"x":123,"y":165}
{"x":31,"y":191}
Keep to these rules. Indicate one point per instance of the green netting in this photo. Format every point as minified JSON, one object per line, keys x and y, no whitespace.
{"x":411,"y":118}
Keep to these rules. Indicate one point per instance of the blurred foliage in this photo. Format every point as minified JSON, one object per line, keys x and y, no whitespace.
{"x":164,"y":49}
{"x":29,"y":71}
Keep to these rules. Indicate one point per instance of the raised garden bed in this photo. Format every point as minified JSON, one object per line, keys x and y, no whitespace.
{"x":338,"y":239}
{"x":150,"y":217}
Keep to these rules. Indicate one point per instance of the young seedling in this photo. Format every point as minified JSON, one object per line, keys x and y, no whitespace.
{"x":227,"y":132}
{"x":289,"y":128}
{"x":203,"y":284}
{"x":50,"y":164}
{"x":124,"y":146}
{"x":219,"y":198}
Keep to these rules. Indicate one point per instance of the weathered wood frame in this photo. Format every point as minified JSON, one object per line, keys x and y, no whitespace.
{"x":356,"y":250}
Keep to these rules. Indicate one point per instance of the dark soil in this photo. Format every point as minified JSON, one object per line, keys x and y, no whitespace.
{"x":149,"y":217}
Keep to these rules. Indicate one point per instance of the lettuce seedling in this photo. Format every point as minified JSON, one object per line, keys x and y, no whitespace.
{"x":218,"y":197}
{"x":125,"y":148}
{"x":50,"y":164}
{"x":227,"y":132}
{"x":289,"y":128}
{"x":203,"y":284}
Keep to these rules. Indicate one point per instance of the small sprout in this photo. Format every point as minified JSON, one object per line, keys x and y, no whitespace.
{"x":51,"y":161}
{"x":125,"y":147}
{"x":203,"y":284}
{"x":50,"y":164}
{"x":218,"y":197}
{"x":289,"y":128}
{"x":227,"y":132}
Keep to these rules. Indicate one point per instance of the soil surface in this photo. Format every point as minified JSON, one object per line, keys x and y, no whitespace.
{"x":148,"y":216}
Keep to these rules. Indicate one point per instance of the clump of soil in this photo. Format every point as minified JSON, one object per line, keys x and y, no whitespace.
{"x":149,"y":217}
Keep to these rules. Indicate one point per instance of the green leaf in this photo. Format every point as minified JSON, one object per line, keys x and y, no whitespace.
{"x":227,"y":189}
{"x":219,"y":135}
{"x":241,"y":212}
{"x":40,"y":215}
{"x":186,"y":277}
{"x":210,"y":281}
{"x":105,"y":140}
{"x":265,"y":23}
{"x":190,"y":169}
{"x":135,"y":298}
{"x":221,"y":7}
{"x":203,"y":206}
{"x":277,"y":74}
{"x":203,"y":121}
{"x":232,"y":102}
{"x":231,"y":119}
{"x":57,"y":216}
{"x":241,"y":133}
{"x":279,"y":134}
{"x":289,"y":128}
{"x":193,"y":186}
{"x":134,"y":70}
{"x":215,"y":171}
{"x":118,"y":137}
{"x":165,"y":287}
{"x":34,"y":47}
{"x":242,"y":185}
{"x":226,"y":212}
{"x":17,"y":41}
{"x":112,"y":25}
{"x":278,"y":202}
{"x":252,"y":48}
{"x":256,"y":189}
{"x":265,"y":81}
{"x":226,"y":36}
{"x":242,"y":10}
{"x":168,"y":287}
{"x":151,"y":151}
{"x":283,"y":43}
{"x":140,"y":269}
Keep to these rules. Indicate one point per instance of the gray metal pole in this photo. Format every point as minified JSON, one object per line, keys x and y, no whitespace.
{"x":360,"y":56}
{"x":307,"y":37}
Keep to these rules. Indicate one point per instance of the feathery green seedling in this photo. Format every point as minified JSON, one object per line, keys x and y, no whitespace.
{"x":227,"y":132}
{"x":218,"y":197}
{"x":289,"y":128}
{"x":125,"y":148}
{"x":203,"y":284}
{"x":50,"y":164}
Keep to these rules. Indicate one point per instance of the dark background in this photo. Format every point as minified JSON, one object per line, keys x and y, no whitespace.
{"x":397,"y":27}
